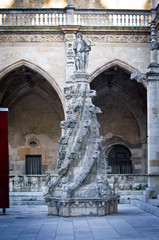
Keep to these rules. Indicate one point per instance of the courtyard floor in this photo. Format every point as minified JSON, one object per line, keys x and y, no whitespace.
{"x":33,"y":223}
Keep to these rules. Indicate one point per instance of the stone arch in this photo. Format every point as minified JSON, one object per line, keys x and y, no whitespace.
{"x":112,"y":82}
{"x":108,"y":147}
{"x":136,"y":111}
{"x":36,"y":107}
{"x":123,"y":96}
{"x":120,"y":162}
{"x":115,"y":62}
{"x":37,"y":69}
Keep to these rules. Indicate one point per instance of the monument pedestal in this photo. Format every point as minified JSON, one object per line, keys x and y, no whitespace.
{"x":82,"y":207}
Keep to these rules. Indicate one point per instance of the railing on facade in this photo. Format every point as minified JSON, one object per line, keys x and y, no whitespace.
{"x":111,"y":18}
{"x":67,"y":16}
{"x":37,"y":183}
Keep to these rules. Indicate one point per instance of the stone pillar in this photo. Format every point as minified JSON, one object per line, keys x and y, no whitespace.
{"x":69,"y":39}
{"x":154,"y":3}
{"x":69,"y":3}
{"x":70,"y":13}
{"x":153,"y":111}
{"x":153,"y":132}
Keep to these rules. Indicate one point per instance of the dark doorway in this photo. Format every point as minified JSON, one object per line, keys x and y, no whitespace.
{"x":119,"y":160}
{"x":33,"y":164}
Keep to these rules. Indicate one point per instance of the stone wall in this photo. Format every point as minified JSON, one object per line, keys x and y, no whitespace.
{"x":46,"y":52}
{"x":33,"y":119}
{"x":35,"y":183}
{"x":118,"y":125}
{"x":145,"y":4}
{"x":49,"y":49}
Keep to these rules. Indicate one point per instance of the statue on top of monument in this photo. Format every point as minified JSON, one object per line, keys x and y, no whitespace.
{"x":81,"y":49}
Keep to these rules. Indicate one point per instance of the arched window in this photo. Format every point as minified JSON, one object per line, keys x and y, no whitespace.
{"x":119,"y":160}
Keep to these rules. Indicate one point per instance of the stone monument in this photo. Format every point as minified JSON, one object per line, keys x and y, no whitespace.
{"x":81,"y":187}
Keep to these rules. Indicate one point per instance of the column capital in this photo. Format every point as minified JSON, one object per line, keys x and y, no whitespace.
{"x":153,"y":73}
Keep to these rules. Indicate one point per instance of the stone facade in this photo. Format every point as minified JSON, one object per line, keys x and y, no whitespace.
{"x":51,"y":47}
{"x":33,"y":121}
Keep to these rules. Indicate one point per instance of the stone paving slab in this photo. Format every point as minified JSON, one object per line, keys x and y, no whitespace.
{"x":33,"y":223}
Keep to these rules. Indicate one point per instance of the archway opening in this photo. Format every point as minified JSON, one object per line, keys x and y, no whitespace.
{"x":119,"y":159}
{"x":35,"y":112}
{"x":124,"y":112}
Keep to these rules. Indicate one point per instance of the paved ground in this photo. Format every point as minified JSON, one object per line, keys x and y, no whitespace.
{"x":32,"y":223}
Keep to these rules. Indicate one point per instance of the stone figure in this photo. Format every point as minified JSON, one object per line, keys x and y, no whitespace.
{"x":11,"y":184}
{"x":115,"y":185}
{"x":81,"y":50}
{"x":104,"y":189}
{"x":25,"y":181}
{"x":34,"y":182}
{"x":16,"y":180}
{"x":47,"y":177}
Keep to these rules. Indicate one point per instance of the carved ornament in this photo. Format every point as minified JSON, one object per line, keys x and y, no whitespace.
{"x":118,"y":38}
{"x":31,"y":38}
{"x":139,"y":77}
{"x":154,"y":46}
{"x":70,"y":37}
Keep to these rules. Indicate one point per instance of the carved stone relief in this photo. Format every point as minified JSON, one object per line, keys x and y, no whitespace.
{"x":70,"y":37}
{"x":31,"y":38}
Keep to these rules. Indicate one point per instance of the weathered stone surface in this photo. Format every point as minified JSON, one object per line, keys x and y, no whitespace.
{"x":82,"y":187}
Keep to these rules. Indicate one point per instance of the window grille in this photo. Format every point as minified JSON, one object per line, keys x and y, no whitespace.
{"x":33,"y":164}
{"x":119,"y":160}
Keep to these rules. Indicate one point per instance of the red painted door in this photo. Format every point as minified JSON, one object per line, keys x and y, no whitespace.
{"x":4,"y":162}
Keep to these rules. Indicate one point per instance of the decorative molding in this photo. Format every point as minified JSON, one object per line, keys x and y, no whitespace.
{"x":69,"y":37}
{"x":33,"y":143}
{"x":115,"y":38}
{"x":31,"y":38}
{"x":154,"y":46}
{"x":104,"y":38}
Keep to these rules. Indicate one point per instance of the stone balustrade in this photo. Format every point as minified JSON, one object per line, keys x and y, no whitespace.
{"x":36,"y":183}
{"x":112,"y":18}
{"x":32,"y":17}
{"x":27,"y":183}
{"x":72,"y":16}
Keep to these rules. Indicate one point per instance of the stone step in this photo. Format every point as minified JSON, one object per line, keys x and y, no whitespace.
{"x":127,"y":196}
{"x":26,"y":198}
{"x":154,"y":202}
{"x":19,"y":203}
{"x":141,"y":198}
{"x":26,"y":194}
{"x":131,"y":192}
{"x":146,"y":207}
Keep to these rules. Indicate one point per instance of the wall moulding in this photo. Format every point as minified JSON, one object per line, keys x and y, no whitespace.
{"x":116,"y":38}
{"x":49,"y":37}
{"x":31,"y":37}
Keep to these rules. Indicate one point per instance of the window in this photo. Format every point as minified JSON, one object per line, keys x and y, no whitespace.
{"x":33,"y":164}
{"x":119,"y":160}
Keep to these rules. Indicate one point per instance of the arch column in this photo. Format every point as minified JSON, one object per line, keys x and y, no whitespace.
{"x":153,"y":111}
{"x":153,"y":131}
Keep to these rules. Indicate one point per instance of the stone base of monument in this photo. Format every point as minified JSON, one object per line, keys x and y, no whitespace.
{"x":82,"y":207}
